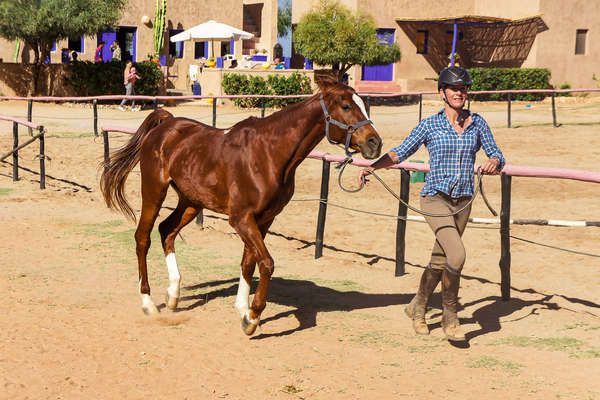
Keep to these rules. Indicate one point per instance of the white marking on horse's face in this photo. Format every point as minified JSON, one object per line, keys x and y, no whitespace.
{"x":360,"y":104}
{"x":226,"y":131}
{"x":243,"y":296}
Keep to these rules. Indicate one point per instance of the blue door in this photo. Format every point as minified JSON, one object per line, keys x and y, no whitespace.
{"x":108,"y":38}
{"x":383,"y":72}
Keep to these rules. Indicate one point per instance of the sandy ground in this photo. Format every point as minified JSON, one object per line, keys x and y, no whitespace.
{"x":334,"y":328}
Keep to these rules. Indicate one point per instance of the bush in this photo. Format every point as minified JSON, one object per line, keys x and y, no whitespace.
{"x":565,"y":86}
{"x":236,"y":84}
{"x":507,"y":79}
{"x":94,"y":79}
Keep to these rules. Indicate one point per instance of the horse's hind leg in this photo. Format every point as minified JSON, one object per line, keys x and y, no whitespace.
{"x":180,"y":217}
{"x":151,"y":202}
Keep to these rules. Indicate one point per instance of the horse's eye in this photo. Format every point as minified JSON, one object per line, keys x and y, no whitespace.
{"x":346,"y":107}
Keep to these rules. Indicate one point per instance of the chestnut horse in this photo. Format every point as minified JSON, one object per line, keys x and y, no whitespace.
{"x":246,"y":172}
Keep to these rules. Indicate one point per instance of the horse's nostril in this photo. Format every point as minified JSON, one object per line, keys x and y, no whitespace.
{"x":373,"y":143}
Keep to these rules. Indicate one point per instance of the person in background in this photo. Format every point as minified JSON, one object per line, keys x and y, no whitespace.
{"x":74,"y":56}
{"x":278,"y":64}
{"x":116,"y":50}
{"x":129,"y":78}
{"x":452,"y":136}
{"x":98,"y":55}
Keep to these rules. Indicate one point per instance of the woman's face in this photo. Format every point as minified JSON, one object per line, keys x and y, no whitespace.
{"x":456,"y":95}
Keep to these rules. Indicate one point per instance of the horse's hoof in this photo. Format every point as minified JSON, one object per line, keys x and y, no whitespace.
{"x":171,"y":302}
{"x":248,"y":325}
{"x":150,"y":309}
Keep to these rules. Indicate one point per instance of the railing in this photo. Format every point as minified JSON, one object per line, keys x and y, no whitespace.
{"x":367,"y":96}
{"x":506,"y":176}
{"x":16,"y":147}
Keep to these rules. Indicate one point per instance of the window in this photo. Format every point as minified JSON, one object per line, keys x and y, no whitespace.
{"x":175,"y":48}
{"x":76,"y":44}
{"x":580,"y":41}
{"x":225,"y":48}
{"x":422,"y":42}
{"x":199,"y":48}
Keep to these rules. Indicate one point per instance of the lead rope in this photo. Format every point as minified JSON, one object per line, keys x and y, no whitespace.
{"x":479,"y":188}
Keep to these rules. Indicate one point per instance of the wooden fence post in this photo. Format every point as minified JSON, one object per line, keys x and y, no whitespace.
{"x":95,"y":106}
{"x":29,"y":114}
{"x":214,"y":124}
{"x":505,"y":237}
{"x":401,"y":223}
{"x":15,"y":152}
{"x":554,"y":111}
{"x":106,"y":149}
{"x":42,"y":159}
{"x":322,"y":208}
{"x":509,"y":116}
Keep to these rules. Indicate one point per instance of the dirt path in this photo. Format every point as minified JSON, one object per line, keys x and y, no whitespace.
{"x":334,"y":328}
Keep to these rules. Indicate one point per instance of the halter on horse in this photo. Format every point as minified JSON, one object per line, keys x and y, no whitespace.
{"x":246,"y":172}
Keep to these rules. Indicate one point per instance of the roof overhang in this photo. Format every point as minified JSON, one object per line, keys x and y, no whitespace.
{"x":483,"y":41}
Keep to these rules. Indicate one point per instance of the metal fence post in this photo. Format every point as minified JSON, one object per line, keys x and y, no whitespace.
{"x":509,"y":110}
{"x":505,"y":237}
{"x":420,"y":106}
{"x":401,"y":223}
{"x":15,"y":152}
{"x":155,"y":104}
{"x":29,"y":114}
{"x":42,"y":160}
{"x":262,"y":107}
{"x":214,"y":112}
{"x":95,"y":105}
{"x":322,"y":208}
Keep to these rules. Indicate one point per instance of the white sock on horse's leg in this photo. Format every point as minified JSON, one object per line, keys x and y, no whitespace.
{"x":148,"y":305}
{"x":243,"y":296}
{"x":174,"y":276}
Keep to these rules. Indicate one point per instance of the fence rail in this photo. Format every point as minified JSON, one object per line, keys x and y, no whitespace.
{"x":506,"y":176}
{"x":16,"y":147}
{"x":367,"y":95}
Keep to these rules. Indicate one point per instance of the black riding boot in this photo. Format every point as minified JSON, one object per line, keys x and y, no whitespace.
{"x":450,"y":323}
{"x":417,"y":308}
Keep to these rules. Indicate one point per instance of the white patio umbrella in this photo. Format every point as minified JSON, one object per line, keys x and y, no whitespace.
{"x":212,"y":31}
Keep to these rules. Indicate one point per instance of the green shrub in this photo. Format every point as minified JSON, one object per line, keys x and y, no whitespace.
{"x":236,"y":84}
{"x":94,"y":79}
{"x":565,"y":86}
{"x":507,"y":79}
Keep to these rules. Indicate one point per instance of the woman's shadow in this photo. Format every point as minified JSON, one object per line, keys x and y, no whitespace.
{"x":306,"y":297}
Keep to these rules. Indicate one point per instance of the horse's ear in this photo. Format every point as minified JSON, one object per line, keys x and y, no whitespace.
{"x":326,"y":78}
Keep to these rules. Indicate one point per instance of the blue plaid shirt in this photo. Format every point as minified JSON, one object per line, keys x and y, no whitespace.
{"x":451,"y":156}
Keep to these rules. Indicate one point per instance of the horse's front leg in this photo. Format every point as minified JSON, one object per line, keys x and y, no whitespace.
{"x":255,"y":251}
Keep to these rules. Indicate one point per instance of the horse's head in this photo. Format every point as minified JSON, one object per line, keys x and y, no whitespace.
{"x":348,"y":123}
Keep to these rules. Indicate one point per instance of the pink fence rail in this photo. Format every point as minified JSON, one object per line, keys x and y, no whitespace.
{"x":16,"y":147}
{"x":156,"y":99}
{"x":507,"y":173}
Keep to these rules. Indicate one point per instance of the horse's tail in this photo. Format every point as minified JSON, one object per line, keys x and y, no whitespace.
{"x":122,"y":161}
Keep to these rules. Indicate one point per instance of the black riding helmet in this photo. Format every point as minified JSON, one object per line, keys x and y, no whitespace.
{"x":454,"y":75}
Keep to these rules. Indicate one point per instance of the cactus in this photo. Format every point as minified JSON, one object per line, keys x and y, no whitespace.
{"x":159,"y":25}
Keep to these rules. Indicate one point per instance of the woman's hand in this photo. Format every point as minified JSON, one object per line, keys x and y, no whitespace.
{"x":491,"y":166}
{"x":362,"y":175}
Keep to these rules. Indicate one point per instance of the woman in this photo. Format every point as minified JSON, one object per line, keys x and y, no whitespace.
{"x":452,"y":136}
{"x":129,"y":78}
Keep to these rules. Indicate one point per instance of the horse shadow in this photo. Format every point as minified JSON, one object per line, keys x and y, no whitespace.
{"x":307,"y":299}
